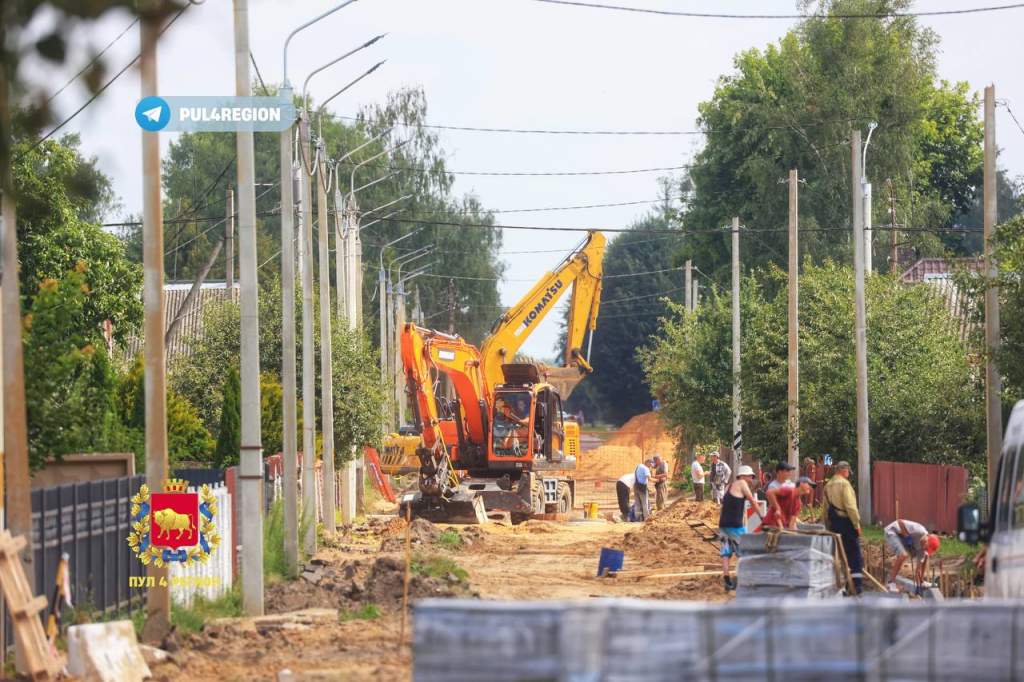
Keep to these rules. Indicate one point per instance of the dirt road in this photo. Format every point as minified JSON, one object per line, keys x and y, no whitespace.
{"x":361,"y":577}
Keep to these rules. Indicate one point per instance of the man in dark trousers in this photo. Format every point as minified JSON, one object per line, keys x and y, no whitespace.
{"x":623,"y":486}
{"x":842,"y":516}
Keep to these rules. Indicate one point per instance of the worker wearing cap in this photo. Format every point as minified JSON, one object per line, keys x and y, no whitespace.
{"x":842,"y":516}
{"x":732,"y":521}
{"x":660,"y":481}
{"x":641,"y":503}
{"x":909,"y":538}
{"x":720,"y":475}
{"x":784,"y":504}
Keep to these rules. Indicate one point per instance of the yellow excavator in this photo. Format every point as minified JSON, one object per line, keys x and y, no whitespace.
{"x":501,"y":443}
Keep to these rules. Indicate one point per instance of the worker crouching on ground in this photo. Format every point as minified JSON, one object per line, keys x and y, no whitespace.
{"x":697,"y":476}
{"x":909,"y":538}
{"x":785,"y":503}
{"x":660,"y":481}
{"x":842,"y":516}
{"x":732,"y":520}
{"x":641,"y":501}
{"x":720,"y":475}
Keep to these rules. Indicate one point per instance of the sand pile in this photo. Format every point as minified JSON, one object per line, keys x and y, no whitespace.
{"x":640,"y":437}
{"x":667,"y":540}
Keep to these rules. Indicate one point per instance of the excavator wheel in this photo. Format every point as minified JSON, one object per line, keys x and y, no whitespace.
{"x":564,"y":498}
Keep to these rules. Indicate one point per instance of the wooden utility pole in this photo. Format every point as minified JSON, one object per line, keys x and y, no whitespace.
{"x":251,"y":452}
{"x":688,"y":286}
{"x":158,"y":604}
{"x":229,"y":245}
{"x":308,"y":366}
{"x":289,"y":401}
{"x":993,"y":381}
{"x":793,"y":419}
{"x":737,"y":424}
{"x":326,"y":377}
{"x":860,"y":334}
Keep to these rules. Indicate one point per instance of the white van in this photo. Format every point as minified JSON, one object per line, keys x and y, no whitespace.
{"x":1004,"y":531}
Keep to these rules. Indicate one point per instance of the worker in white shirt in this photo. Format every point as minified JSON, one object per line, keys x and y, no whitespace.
{"x":622,"y":488}
{"x":641,"y":503}
{"x":909,"y":538}
{"x":697,"y":474}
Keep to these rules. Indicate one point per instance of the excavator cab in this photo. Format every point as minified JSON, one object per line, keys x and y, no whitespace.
{"x":527,"y":426}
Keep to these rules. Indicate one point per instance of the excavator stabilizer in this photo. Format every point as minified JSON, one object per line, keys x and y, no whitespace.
{"x":462,"y":507}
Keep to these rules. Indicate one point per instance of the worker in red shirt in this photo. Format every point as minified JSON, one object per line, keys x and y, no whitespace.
{"x":784,"y":504}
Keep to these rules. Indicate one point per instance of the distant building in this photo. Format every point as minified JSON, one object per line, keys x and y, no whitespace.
{"x":940,"y":273}
{"x":191,"y":325}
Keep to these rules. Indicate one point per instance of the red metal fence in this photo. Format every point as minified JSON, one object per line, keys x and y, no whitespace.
{"x":926,"y":493}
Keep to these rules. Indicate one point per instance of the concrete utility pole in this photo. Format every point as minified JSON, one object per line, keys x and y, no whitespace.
{"x":894,"y":262}
{"x":341,"y":263}
{"x":382,"y":287}
{"x":399,"y":324}
{"x":251,"y":455}
{"x":993,"y":381}
{"x":866,"y":190}
{"x":688,"y":286}
{"x":352,"y":478}
{"x":737,"y":424}
{"x":229,"y":244}
{"x":793,"y":421}
{"x":860,"y":336}
{"x":158,"y":600}
{"x":308,"y":351}
{"x":326,"y":376}
{"x":288,"y":398}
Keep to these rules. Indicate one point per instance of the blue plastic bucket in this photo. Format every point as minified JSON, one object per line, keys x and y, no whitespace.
{"x":611,"y":560}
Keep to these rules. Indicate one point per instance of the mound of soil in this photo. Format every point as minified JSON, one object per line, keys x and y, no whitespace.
{"x":353,"y":583}
{"x":667,"y":539}
{"x":640,"y":437}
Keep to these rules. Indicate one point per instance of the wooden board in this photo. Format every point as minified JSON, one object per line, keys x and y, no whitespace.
{"x":25,"y":609}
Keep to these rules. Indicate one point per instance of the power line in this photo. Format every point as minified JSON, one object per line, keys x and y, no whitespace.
{"x":92,"y":61}
{"x":531,"y":174}
{"x":570,"y":208}
{"x":259,"y":76}
{"x":1006,"y":104}
{"x":715,"y":15}
{"x":106,"y":85}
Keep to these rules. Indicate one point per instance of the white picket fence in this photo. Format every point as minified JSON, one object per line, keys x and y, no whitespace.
{"x":213,"y":578}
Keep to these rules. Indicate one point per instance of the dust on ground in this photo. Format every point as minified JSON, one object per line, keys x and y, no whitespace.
{"x":364,"y":568}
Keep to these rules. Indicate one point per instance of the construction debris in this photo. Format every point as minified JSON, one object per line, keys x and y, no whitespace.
{"x":106,"y":652}
{"x":24,"y":609}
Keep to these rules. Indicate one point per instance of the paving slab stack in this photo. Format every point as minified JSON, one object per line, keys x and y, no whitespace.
{"x":656,"y":641}
{"x":799,"y":566}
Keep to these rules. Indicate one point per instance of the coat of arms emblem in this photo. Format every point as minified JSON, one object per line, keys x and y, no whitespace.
{"x":173,"y":525}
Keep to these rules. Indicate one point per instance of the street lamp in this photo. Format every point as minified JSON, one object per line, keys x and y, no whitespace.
{"x":368,"y":43}
{"x":866,"y":197}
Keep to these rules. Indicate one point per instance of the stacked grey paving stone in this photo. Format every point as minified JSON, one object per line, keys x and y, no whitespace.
{"x":796,"y":640}
{"x":799,"y":566}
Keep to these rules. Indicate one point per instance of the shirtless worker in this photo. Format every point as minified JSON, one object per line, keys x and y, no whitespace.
{"x":732,"y":522}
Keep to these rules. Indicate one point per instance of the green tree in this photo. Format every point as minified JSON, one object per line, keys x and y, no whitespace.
{"x":359,"y":395}
{"x":59,"y":192}
{"x":70,"y":385}
{"x":229,"y":435}
{"x":792,"y":105}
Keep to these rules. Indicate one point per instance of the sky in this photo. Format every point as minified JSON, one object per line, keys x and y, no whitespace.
{"x":506,"y":63}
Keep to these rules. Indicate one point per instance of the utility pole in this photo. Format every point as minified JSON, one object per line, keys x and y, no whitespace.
{"x":288,"y":397}
{"x":399,"y":324}
{"x":860,"y":336}
{"x":993,"y":381}
{"x":696,"y":294}
{"x":688,"y":286}
{"x":866,"y":198}
{"x":158,"y":600}
{"x":894,"y":267}
{"x":326,"y":377}
{"x":308,"y":371}
{"x":251,"y":455}
{"x":382,"y":287}
{"x":451,"y":306}
{"x":793,"y":422}
{"x":229,"y":245}
{"x":737,"y":424}
{"x":352,"y":478}
{"x":341,"y":263}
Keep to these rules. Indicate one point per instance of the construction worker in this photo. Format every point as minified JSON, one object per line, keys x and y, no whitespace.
{"x":909,"y":538}
{"x":720,"y":475}
{"x":697,"y":476}
{"x":641,"y":502}
{"x":783,"y":476}
{"x":842,"y":516}
{"x":660,"y":481}
{"x":732,"y":519}
{"x":622,"y":488}
{"x":785,"y":502}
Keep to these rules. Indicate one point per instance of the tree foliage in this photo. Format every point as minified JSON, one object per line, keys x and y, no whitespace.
{"x":793,"y":104}
{"x":59,"y":192}
{"x":925,"y":400}
{"x":359,"y":394}
{"x":229,"y":435}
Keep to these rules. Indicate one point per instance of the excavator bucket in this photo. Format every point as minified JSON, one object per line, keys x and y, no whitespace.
{"x":462,"y":507}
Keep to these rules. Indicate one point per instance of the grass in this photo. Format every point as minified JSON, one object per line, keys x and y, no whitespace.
{"x":367,"y":612}
{"x":275,"y":565}
{"x":450,"y":539}
{"x":192,"y":619}
{"x":438,"y":567}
